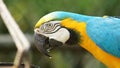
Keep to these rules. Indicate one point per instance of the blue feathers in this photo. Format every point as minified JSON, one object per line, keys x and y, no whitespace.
{"x":78,"y":17}
{"x":105,"y":32}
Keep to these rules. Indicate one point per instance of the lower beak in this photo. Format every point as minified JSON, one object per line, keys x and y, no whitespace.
{"x":42,"y":44}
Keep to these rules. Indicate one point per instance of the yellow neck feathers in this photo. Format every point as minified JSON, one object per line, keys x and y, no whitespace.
{"x":88,"y":44}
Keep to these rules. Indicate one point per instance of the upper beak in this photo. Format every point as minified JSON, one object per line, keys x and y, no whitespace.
{"x":42,"y":44}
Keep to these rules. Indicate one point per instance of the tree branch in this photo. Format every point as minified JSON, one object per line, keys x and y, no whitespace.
{"x":20,"y":40}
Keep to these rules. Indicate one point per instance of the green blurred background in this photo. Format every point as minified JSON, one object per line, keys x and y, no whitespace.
{"x":28,"y":12}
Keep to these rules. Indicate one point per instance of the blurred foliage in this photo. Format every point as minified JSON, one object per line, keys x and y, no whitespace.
{"x":28,"y":12}
{"x":63,"y":57}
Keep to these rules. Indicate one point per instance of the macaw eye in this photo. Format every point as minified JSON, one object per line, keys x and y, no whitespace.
{"x":50,"y":27}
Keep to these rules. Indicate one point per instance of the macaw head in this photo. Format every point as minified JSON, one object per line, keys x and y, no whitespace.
{"x":51,"y":31}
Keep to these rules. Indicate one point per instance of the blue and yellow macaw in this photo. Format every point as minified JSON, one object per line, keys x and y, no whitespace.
{"x":99,"y":35}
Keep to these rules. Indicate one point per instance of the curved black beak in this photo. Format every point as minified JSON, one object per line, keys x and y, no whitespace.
{"x":41,"y":42}
{"x":44,"y":44}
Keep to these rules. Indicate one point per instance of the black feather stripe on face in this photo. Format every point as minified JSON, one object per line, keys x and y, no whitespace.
{"x":74,"y":37}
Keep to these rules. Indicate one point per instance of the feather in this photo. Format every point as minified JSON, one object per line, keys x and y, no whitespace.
{"x":105,"y":32}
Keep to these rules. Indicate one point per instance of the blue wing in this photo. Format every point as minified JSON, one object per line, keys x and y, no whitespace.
{"x":105,"y":32}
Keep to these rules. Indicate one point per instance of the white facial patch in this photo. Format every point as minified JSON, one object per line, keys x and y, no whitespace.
{"x":61,"y":35}
{"x":53,"y":30}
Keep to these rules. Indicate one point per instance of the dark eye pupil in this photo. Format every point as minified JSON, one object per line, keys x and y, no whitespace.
{"x":50,"y":27}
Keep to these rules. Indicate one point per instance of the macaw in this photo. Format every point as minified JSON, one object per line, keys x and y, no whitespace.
{"x":98,"y":35}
